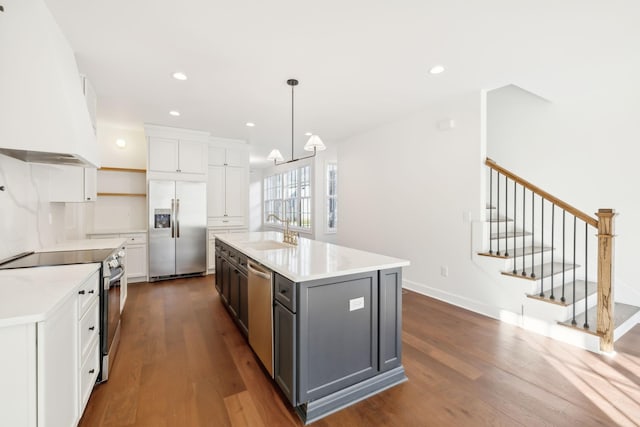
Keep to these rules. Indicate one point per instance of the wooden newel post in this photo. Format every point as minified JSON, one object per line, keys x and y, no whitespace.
{"x":605,"y":279}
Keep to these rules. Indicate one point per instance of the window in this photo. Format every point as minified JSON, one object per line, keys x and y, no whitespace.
{"x":332,"y":197}
{"x":289,"y":193}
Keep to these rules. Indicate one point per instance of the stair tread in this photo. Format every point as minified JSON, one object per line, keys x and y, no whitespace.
{"x":528,"y":250}
{"x":592,"y":288}
{"x":621,"y":313}
{"x":537,"y":270}
{"x":510,"y":234}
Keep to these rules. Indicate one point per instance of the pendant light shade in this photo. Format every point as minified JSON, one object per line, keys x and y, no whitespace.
{"x":314,"y":143}
{"x":275,"y":155}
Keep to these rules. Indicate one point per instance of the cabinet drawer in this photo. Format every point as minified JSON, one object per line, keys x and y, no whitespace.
{"x":226,"y":221}
{"x":88,"y":374}
{"x":285,"y":292}
{"x":135,"y":239}
{"x":89,"y":330}
{"x":88,"y":292}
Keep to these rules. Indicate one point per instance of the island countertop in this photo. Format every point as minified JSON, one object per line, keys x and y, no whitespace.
{"x":310,"y":259}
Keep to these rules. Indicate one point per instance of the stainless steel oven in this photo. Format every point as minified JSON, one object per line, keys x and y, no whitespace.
{"x":113,"y":270}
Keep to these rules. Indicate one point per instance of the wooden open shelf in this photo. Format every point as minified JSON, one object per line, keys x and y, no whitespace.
{"x":123,"y":194}
{"x":108,"y":169}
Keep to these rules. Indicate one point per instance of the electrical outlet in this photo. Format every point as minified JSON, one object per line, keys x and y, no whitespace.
{"x":444,"y":271}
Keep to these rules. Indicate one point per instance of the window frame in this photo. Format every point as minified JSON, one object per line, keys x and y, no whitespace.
{"x":328,"y":197}
{"x":278,"y":193}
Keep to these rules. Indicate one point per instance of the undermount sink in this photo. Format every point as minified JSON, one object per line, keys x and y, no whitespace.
{"x":265,"y":245}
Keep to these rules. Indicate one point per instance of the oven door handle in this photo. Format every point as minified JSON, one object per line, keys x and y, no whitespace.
{"x":117,"y":277}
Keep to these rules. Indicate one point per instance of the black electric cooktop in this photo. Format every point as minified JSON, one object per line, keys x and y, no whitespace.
{"x":41,"y":259}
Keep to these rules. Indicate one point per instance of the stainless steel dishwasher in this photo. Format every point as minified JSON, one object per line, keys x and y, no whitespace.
{"x":261,"y":313}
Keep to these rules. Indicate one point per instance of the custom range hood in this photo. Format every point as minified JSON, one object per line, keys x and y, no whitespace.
{"x":44,"y":117}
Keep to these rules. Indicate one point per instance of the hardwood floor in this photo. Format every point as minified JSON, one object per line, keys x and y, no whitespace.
{"x":182,"y":362}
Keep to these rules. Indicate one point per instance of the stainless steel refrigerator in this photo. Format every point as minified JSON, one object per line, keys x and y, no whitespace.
{"x":177,"y":228}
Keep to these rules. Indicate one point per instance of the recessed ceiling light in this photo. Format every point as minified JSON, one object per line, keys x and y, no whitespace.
{"x":121,"y":143}
{"x":308,"y":134}
{"x":250,"y":124}
{"x":174,"y":113}
{"x":436,"y":69}
{"x":178,"y":75}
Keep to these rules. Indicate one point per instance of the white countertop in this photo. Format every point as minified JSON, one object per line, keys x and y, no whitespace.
{"x":85,"y":244}
{"x":28,"y":295}
{"x":311,"y":259}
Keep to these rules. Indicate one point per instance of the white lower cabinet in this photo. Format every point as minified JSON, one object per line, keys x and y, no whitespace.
{"x":49,"y":372}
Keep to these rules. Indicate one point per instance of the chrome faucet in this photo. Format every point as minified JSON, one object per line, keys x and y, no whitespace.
{"x":290,"y":237}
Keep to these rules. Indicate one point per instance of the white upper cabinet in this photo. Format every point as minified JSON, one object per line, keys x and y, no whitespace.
{"x":44,"y":114}
{"x":73,"y":184}
{"x":172,"y":155}
{"x":220,"y":156}
{"x":177,"y":151}
{"x":163,"y":154}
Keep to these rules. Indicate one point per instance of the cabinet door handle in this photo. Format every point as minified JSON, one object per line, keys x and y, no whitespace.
{"x":92,"y":328}
{"x":91,"y":291}
{"x":91,"y":371}
{"x":82,"y":292}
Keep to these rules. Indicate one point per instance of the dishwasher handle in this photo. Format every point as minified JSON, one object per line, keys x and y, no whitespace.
{"x":254,"y":269}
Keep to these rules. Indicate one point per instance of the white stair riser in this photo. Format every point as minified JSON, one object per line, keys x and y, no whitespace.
{"x":558,"y":313}
{"x":509,"y":241}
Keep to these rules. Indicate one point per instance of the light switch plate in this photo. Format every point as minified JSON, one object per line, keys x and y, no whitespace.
{"x":356,"y":304}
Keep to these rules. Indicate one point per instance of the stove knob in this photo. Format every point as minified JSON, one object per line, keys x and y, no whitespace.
{"x":113,"y":263}
{"x":121,"y":254}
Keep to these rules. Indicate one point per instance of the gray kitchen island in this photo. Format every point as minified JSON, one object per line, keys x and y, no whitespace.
{"x":324,"y":320}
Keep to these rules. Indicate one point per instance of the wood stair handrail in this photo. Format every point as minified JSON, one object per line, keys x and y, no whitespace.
{"x":564,"y":205}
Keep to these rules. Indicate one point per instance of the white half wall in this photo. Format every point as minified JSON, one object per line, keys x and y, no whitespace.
{"x":582,"y":150}
{"x":412,"y":190}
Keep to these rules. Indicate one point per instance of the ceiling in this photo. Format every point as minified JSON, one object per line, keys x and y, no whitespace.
{"x":360,"y":63}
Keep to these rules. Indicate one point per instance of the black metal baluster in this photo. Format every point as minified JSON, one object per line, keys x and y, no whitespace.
{"x":491,"y":211}
{"x":524,"y":211}
{"x":498,"y":214}
{"x":573,"y":320}
{"x":553,"y":223}
{"x":515,"y":214}
{"x":563,"y":299}
{"x":541,"y":247}
{"x":506,"y":215}
{"x":533,"y":229}
{"x":586,"y":272}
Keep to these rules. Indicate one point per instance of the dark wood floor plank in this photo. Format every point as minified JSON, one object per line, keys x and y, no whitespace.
{"x":183,"y":362}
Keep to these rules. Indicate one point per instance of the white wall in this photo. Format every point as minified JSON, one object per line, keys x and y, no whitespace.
{"x":114,"y":213}
{"x":582,"y":150}
{"x":133,"y":155}
{"x":408,"y":189}
{"x":27,"y":220}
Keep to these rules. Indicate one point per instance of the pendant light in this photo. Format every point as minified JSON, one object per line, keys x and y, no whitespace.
{"x":314,"y":143}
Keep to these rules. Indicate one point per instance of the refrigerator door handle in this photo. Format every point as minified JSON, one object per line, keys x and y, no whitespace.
{"x":173,"y":218}
{"x":178,"y":218}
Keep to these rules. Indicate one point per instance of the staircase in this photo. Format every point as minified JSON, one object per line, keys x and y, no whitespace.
{"x":560,"y":257}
